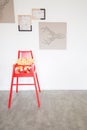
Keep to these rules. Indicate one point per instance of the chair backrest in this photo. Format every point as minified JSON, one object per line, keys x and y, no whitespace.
{"x":25,"y":54}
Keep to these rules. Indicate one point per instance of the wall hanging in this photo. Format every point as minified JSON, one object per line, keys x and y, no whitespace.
{"x":52,"y":35}
{"x":24,"y":23}
{"x":7,"y":11}
{"x":38,"y":14}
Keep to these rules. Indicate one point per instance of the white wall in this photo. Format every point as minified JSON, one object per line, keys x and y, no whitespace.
{"x":57,"y":69}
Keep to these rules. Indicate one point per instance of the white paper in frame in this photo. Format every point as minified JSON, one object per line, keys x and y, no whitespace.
{"x":24,"y":23}
{"x":38,"y":14}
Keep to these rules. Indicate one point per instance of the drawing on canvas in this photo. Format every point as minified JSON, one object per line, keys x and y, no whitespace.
{"x":7,"y":11}
{"x":52,"y":35}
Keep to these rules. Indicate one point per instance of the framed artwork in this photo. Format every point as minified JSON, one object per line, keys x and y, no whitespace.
{"x":24,"y":23}
{"x":52,"y":35}
{"x":38,"y":14}
{"x":7,"y":11}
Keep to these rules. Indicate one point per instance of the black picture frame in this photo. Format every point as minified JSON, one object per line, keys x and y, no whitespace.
{"x":39,"y":13}
{"x":24,"y":23}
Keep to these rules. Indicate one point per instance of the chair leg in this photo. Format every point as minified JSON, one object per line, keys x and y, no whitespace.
{"x":17,"y":85}
{"x":37,"y":95}
{"x":38,"y":82}
{"x":10,"y":95}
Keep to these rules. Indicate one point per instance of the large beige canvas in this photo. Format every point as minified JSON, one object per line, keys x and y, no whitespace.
{"x":52,"y":35}
{"x":7,"y":11}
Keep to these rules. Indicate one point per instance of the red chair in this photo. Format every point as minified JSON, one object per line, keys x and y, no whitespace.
{"x":32,"y":73}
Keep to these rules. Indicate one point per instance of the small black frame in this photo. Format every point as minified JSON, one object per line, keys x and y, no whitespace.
{"x":24,"y":23}
{"x":39,"y":13}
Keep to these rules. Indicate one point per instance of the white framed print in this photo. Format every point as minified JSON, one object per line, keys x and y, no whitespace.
{"x":24,"y":23}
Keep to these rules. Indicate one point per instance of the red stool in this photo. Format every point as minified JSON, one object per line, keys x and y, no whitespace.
{"x":32,"y":73}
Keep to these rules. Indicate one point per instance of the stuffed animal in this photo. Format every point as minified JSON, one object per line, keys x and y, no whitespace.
{"x":25,"y":61}
{"x":27,"y":69}
{"x":24,"y":69}
{"x":18,"y":69}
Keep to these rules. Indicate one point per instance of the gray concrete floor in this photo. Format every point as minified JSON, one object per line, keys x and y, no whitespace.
{"x":60,"y":110}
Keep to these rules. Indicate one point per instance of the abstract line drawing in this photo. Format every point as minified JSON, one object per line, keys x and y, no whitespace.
{"x":52,"y":35}
{"x":7,"y":11}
